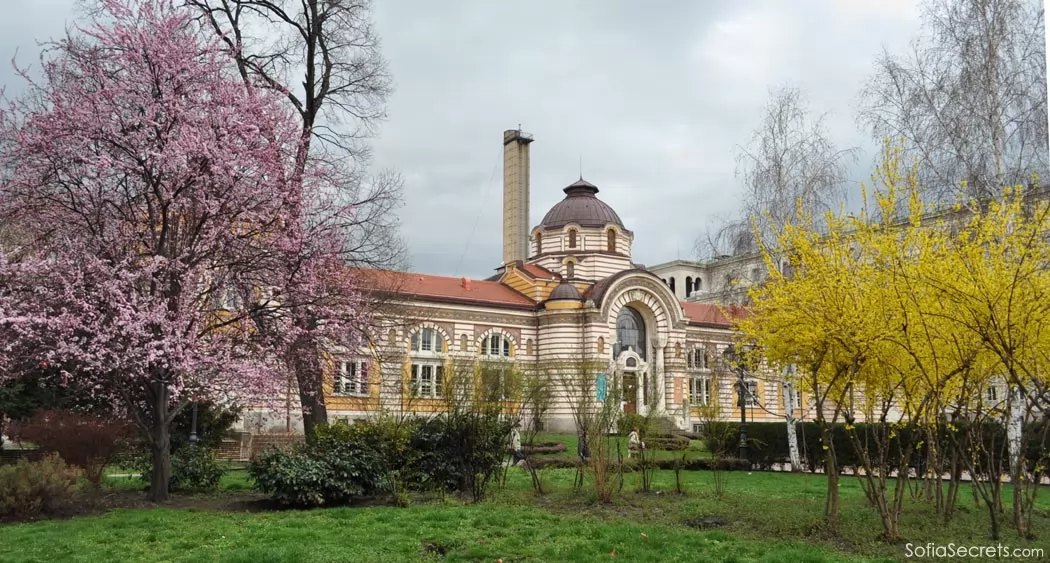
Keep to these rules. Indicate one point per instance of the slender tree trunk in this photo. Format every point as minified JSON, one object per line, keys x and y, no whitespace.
{"x":796,"y":459}
{"x":160,"y":445}
{"x":789,"y":412}
{"x":1014,"y":430}
{"x":1014,"y":426}
{"x":831,"y":505}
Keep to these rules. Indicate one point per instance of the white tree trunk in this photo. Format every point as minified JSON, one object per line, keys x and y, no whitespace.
{"x":1014,"y":421}
{"x":789,"y":417}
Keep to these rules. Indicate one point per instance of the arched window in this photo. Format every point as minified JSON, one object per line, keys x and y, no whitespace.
{"x":610,"y":235}
{"x":464,"y":344}
{"x":570,"y":269}
{"x":572,"y":238}
{"x":630,"y":331}
{"x":392,"y":336}
{"x":688,"y":286}
{"x":698,"y":285}
{"x":495,"y":344}
{"x":428,"y":340}
{"x":528,"y":347}
{"x":671,"y":285}
{"x":601,"y":345}
{"x":539,"y":243}
{"x":677,"y":349}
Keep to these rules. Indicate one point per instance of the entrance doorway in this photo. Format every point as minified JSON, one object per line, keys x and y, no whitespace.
{"x":630,"y":393}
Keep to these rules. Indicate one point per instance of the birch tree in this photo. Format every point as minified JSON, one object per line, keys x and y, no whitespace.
{"x":968,"y":97}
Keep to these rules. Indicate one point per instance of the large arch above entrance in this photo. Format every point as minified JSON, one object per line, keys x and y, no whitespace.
{"x":639,"y":286}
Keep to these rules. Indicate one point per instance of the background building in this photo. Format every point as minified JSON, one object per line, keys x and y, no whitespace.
{"x":568,"y":289}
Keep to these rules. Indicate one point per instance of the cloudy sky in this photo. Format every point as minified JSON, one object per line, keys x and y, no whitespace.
{"x":655,"y":97}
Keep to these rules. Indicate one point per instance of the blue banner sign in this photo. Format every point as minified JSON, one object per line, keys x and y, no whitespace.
{"x":602,"y":387}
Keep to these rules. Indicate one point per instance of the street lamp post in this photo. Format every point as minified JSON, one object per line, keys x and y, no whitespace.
{"x":735,"y":361}
{"x":193,"y":426}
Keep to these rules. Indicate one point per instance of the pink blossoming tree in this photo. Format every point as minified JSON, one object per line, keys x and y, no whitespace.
{"x":163,"y":206}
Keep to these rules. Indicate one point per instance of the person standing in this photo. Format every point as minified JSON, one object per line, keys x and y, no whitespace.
{"x":515,"y":446}
{"x":634,"y":442}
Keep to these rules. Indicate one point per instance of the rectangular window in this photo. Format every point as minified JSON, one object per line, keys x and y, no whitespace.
{"x":226,"y":298}
{"x":427,"y":380}
{"x":697,"y":358}
{"x":352,"y":378}
{"x":751,"y":396}
{"x":992,"y":394}
{"x":699,"y":390}
{"x":496,"y":382}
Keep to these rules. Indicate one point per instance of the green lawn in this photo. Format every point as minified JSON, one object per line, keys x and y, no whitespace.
{"x":486,"y":532}
{"x":695,"y":450}
{"x":765,"y":517}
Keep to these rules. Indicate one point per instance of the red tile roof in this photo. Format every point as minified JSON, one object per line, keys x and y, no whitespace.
{"x":426,"y":287}
{"x":710,"y":315}
{"x":538,"y":271}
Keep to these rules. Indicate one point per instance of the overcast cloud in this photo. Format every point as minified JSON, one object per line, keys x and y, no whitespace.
{"x":655,"y":96}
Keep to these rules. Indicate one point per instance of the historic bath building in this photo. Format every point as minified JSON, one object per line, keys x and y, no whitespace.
{"x":568,"y":288}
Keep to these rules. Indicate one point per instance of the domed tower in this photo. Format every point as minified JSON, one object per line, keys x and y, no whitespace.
{"x":581,"y":237}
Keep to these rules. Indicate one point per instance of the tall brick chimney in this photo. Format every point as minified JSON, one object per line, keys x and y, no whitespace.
{"x":515,"y":195}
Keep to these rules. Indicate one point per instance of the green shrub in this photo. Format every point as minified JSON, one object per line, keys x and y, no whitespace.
{"x":671,"y":442}
{"x":461,"y":452}
{"x":32,"y":488}
{"x":344,"y":462}
{"x":292,"y":478}
{"x":191,"y":468}
{"x":629,"y":420}
{"x":541,"y":448}
{"x":195,"y":469}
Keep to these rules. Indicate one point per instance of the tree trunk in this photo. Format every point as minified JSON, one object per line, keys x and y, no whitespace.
{"x":789,"y":416}
{"x":1015,"y":420}
{"x":315,"y":412}
{"x":796,"y":459}
{"x":161,"y":445}
{"x":309,"y":376}
{"x":831,"y":506}
{"x":1014,"y":436}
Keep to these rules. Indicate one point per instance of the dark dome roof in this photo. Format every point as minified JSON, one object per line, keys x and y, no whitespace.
{"x":565,"y":290}
{"x":580,"y":206}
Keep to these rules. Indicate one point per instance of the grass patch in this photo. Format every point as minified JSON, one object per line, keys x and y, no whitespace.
{"x":763,"y":517}
{"x":696,"y":447}
{"x":484,"y":532}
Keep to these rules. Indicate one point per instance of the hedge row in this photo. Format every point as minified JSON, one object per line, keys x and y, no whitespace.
{"x":671,"y":442}
{"x":768,"y":444}
{"x":544,"y":448}
{"x":700,"y":464}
